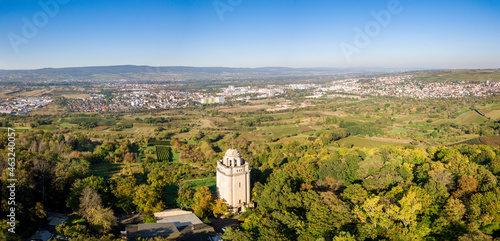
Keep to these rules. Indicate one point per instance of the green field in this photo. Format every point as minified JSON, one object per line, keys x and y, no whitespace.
{"x":399,"y":130}
{"x":422,"y":127}
{"x":67,"y":125}
{"x":148,"y":150}
{"x":210,"y":182}
{"x":492,"y":114}
{"x":17,"y":128}
{"x":365,"y":143}
{"x":286,"y":132}
{"x":275,"y":127}
{"x":175,"y":157}
{"x":99,"y":121}
{"x":47,"y":127}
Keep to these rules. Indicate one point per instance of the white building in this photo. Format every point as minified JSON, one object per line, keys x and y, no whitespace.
{"x":213,"y":100}
{"x":233,"y":181}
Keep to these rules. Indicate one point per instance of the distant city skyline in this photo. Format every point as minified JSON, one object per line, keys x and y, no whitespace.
{"x":242,"y":33}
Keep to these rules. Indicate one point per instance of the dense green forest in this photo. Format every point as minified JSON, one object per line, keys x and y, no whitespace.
{"x":393,"y":193}
{"x":302,"y":191}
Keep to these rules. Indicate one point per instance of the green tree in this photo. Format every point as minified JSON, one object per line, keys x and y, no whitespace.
{"x":124,"y":193}
{"x":96,"y":183}
{"x":219,"y":207}
{"x":147,"y":200}
{"x":355,"y":193}
{"x":203,"y":197}
{"x":185,"y":196}
{"x":237,"y":235}
{"x":91,"y":208}
{"x":454,"y":210}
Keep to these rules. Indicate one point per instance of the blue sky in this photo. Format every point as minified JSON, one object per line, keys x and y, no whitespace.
{"x":251,"y":33}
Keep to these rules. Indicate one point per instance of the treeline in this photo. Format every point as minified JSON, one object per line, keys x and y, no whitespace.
{"x":389,"y":193}
{"x":56,"y":172}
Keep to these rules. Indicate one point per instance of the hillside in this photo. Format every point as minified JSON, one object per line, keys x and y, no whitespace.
{"x":493,"y":141}
{"x":470,"y":117}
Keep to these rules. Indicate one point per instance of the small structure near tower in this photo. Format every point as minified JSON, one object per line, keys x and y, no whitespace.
{"x":233,"y":181}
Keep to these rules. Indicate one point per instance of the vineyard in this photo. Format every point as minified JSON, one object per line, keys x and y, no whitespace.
{"x":483,"y":140}
{"x":164,"y":153}
{"x":490,"y":140}
{"x":154,"y":142}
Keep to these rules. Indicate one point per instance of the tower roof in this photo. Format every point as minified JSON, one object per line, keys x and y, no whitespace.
{"x":231,"y":152}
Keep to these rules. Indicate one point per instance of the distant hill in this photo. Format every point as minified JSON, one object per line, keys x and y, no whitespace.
{"x":143,"y":72}
{"x":136,"y":72}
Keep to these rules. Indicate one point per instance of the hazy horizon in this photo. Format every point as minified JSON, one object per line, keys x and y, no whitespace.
{"x":250,"y":34}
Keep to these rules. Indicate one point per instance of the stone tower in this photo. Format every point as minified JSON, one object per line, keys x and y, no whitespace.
{"x":233,"y":181}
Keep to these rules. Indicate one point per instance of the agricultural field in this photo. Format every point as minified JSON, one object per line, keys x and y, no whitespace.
{"x":164,"y":154}
{"x":470,"y":117}
{"x":493,"y":114}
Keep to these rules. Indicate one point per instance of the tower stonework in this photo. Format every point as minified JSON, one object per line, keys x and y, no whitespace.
{"x":233,"y":180}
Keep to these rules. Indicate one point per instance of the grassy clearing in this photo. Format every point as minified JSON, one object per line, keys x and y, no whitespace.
{"x":148,"y":150}
{"x":275,"y":127}
{"x":210,"y":182}
{"x":399,"y":130}
{"x":47,"y":127}
{"x":67,"y":125}
{"x":409,"y":117}
{"x":17,"y":128}
{"x":286,"y":132}
{"x":421,"y":127}
{"x":175,"y":156}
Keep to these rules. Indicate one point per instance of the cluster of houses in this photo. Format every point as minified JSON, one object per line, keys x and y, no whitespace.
{"x":407,"y":86}
{"x":268,"y":92}
{"x":22,"y":106}
{"x":134,"y":99}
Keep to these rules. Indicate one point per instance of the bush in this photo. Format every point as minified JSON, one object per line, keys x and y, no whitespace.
{"x":150,"y":219}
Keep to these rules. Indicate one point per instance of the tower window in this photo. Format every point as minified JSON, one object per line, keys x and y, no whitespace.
{"x":239,"y":184}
